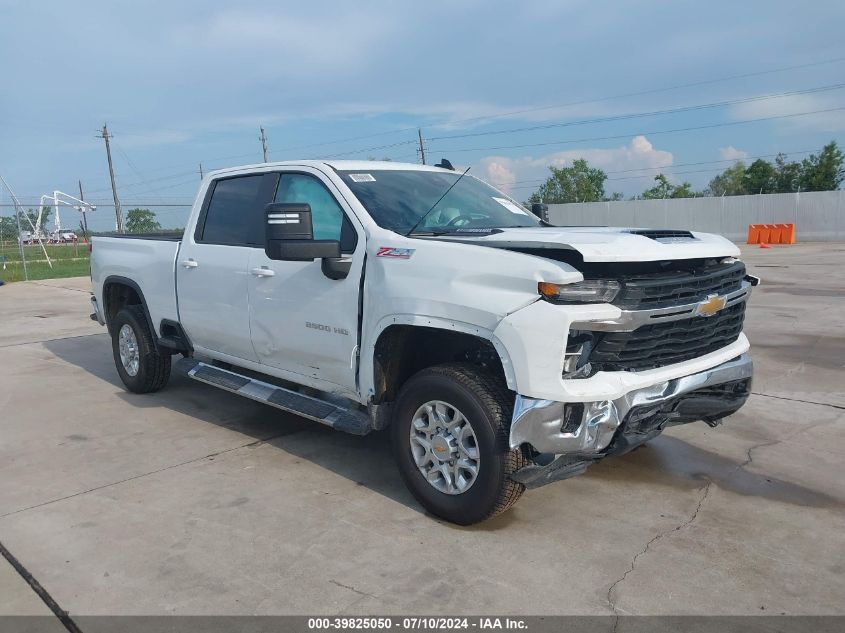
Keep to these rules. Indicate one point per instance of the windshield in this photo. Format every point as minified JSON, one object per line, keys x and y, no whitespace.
{"x":397,"y":199}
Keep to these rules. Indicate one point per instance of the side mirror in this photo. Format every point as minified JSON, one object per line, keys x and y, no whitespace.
{"x":289,"y":234}
{"x":541,"y":211}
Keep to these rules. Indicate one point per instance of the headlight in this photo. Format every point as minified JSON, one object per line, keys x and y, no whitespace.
{"x":587,"y":291}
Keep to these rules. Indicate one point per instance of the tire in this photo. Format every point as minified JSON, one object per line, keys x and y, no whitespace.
{"x":152,"y":369}
{"x":486,"y":405}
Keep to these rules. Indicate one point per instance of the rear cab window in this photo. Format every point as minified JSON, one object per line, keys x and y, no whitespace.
{"x":233,"y":214}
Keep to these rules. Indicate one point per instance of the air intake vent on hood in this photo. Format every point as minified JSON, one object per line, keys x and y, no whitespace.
{"x":668,"y":235}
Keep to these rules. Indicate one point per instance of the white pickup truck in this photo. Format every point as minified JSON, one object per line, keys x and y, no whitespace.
{"x":502,"y":353}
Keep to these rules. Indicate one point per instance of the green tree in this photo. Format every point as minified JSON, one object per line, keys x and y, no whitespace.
{"x":665,"y":189}
{"x":823,"y":172}
{"x":30,"y":219}
{"x":8,"y":228}
{"x":787,"y":174}
{"x":684,"y":190}
{"x":141,"y":221}
{"x":578,"y":183}
{"x":659,"y":191}
{"x":760,"y":177}
{"x":730,"y":182}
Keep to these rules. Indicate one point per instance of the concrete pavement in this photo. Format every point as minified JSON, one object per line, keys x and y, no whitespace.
{"x":195,"y":501}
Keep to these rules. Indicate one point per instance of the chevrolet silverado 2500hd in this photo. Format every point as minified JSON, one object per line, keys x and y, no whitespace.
{"x":500,"y":352}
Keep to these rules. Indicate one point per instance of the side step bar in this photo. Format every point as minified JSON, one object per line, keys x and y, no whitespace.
{"x":338,"y":418}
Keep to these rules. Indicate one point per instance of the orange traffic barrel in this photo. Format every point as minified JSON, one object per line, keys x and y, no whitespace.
{"x":753,"y":234}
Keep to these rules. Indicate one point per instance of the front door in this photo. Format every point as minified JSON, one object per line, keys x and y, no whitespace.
{"x":302,"y":321}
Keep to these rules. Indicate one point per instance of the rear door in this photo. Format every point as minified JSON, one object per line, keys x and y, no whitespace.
{"x":301,"y":320}
{"x":212,"y":267}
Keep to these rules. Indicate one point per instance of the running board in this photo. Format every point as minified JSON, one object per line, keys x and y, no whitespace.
{"x":338,"y":418}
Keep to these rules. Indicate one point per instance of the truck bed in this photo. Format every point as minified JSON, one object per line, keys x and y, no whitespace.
{"x":148,"y":260}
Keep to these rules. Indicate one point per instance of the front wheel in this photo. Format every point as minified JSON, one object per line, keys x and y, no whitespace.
{"x":450,"y":440}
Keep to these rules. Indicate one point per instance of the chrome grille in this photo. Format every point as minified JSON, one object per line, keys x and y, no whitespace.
{"x":660,"y":290}
{"x":666,"y":343}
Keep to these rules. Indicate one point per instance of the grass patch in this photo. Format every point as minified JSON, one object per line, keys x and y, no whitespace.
{"x":69,"y":260}
{"x":12,"y":253}
{"x":40,"y":270}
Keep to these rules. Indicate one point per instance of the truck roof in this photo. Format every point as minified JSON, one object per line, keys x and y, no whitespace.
{"x":341,"y":165}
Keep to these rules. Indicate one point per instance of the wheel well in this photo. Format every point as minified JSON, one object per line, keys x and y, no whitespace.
{"x":403,"y":350}
{"x":118,"y":294}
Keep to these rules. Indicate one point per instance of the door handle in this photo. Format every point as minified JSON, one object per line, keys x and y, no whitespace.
{"x":189,"y":263}
{"x":263,"y":272}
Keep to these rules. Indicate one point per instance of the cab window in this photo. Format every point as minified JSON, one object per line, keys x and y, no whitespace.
{"x":231,"y":216}
{"x":330,"y":223}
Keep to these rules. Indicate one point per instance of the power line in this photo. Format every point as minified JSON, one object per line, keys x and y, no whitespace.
{"x":144,"y":182}
{"x":659,"y":167}
{"x":512,"y":113}
{"x":637,"y":115}
{"x":129,"y":162}
{"x":523,"y":111}
{"x":630,"y":134}
{"x":579,"y":102}
{"x":656,"y":90}
{"x":368,"y":149}
{"x":620,"y":117}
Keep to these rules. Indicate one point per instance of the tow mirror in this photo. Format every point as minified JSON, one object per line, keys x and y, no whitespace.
{"x":289,"y":234}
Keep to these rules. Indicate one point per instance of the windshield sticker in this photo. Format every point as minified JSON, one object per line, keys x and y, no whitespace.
{"x":362,"y":178}
{"x":510,"y":206}
{"x":395,"y":253}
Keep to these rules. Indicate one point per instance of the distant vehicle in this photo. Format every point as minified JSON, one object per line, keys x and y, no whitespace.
{"x":62,"y":237}
{"x":503,"y":353}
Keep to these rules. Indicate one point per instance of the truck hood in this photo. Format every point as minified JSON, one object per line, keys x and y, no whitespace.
{"x":608,"y":244}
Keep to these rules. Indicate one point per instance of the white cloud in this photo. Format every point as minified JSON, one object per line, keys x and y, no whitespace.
{"x":732,"y":153}
{"x":497,"y":170}
{"x":519,"y":176}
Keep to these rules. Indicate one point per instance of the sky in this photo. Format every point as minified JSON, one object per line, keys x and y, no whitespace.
{"x":506,"y":88}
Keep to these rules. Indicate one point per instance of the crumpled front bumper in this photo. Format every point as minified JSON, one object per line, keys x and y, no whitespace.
{"x":580,"y":433}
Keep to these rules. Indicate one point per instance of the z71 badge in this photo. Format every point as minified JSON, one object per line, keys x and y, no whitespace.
{"x":395,"y":253}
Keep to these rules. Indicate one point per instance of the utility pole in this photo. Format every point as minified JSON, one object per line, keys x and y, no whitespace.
{"x":263,"y":139}
{"x":422,"y":146}
{"x":118,"y":219}
{"x":84,"y":219}
{"x":201,"y":174}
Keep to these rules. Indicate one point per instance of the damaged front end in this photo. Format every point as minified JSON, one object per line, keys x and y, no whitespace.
{"x":568,"y":437}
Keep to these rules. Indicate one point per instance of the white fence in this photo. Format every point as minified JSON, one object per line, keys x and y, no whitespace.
{"x":817,"y":215}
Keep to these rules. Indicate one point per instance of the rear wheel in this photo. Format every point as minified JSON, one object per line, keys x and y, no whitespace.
{"x":142,"y":367}
{"x":450,"y":441}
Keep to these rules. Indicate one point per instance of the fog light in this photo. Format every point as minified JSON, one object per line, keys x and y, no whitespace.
{"x":576,"y":356}
{"x":571,"y":358}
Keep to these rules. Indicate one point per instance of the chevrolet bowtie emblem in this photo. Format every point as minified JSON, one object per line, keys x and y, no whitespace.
{"x":710,"y":306}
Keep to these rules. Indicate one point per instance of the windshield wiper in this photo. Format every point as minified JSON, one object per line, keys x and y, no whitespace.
{"x":425,"y":215}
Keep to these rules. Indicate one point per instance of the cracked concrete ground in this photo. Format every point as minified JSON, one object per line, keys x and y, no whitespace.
{"x":194,"y":501}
